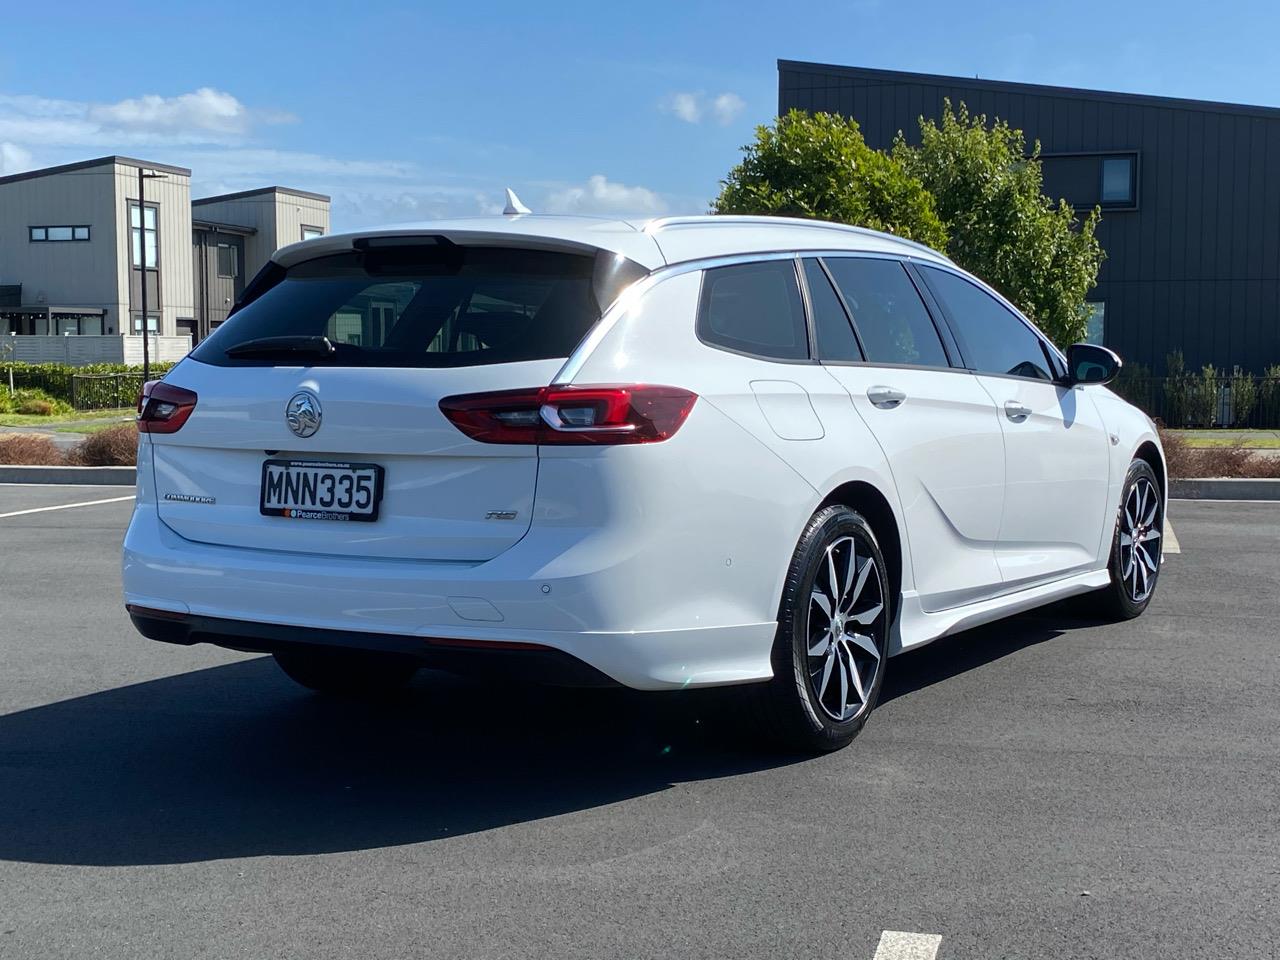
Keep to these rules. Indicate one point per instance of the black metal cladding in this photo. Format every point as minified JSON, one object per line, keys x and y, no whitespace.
{"x":1194,"y":265}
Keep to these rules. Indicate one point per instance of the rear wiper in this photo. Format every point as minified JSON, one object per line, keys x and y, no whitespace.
{"x":283,"y":348}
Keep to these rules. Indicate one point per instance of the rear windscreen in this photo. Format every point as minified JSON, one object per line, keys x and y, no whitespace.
{"x":421,"y":306}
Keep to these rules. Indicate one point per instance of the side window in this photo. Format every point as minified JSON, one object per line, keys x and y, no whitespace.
{"x":891,"y":318}
{"x":992,"y":338}
{"x":754,"y":308}
{"x":830,"y":323}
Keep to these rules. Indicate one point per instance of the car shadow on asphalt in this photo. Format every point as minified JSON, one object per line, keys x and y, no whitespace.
{"x":236,"y":761}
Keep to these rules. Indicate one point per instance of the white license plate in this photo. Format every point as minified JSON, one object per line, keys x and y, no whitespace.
{"x":319,"y":490}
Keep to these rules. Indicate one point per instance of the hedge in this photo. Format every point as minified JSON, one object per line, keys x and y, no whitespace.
{"x":55,"y":378}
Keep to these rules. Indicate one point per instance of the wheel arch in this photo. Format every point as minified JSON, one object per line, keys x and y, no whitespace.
{"x":867,"y":500}
{"x":1149,"y":452}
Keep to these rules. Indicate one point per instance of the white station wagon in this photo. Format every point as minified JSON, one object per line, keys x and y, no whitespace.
{"x":677,"y":453}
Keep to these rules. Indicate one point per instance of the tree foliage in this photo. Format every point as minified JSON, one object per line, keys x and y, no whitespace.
{"x":1001,"y":226}
{"x":969,"y":189}
{"x":818,"y":166}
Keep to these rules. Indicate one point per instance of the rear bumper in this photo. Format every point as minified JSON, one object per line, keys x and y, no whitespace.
{"x":260,"y":600}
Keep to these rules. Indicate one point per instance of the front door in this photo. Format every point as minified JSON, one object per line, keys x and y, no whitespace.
{"x":1056,"y":446}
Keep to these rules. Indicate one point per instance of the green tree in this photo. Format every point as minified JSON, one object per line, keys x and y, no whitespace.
{"x":988,"y":192}
{"x":818,"y":166}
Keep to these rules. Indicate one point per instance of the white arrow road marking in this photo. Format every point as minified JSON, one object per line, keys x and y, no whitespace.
{"x":895,"y":945}
{"x":1171,"y":544}
{"x":65,"y":506}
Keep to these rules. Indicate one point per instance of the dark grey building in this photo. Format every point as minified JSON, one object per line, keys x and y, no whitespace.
{"x":1189,"y":191}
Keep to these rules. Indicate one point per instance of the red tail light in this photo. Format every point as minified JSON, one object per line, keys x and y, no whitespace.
{"x":163,"y":408}
{"x":637,"y":413}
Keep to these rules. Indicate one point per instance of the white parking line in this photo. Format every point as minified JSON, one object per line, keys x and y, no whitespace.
{"x":895,"y":945}
{"x":65,"y":506}
{"x":1171,"y":544}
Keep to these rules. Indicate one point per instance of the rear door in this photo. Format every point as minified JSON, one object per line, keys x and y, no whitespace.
{"x":935,"y":423}
{"x":407,"y":328}
{"x":1056,"y":446}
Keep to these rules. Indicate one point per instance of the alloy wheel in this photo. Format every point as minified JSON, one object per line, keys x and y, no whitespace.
{"x":846,"y":627}
{"x":1140,"y":533}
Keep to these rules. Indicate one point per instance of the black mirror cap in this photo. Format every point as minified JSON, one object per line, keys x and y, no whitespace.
{"x":1090,"y":363}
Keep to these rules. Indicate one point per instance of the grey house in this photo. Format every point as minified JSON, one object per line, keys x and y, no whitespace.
{"x":75,"y":249}
{"x":1190,"y":200}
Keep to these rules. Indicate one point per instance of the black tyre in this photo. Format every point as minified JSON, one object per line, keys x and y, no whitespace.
{"x":832,"y":642}
{"x":347,"y":672}
{"x":1135,"y":548}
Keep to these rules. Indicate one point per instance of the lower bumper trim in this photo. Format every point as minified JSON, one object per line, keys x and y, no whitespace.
{"x":529,"y":662}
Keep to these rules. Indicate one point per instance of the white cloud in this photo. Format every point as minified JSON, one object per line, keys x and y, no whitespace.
{"x":726,"y":107}
{"x":13,"y":159}
{"x":202,"y":116}
{"x":600,"y":196}
{"x":204,"y":110}
{"x":260,"y":164}
{"x":686,"y":106}
{"x":694,"y":107}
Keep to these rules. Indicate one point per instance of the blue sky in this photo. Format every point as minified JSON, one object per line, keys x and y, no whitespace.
{"x":405,"y":111}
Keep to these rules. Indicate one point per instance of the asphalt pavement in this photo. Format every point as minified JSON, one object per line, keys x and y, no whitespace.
{"x":1039,"y":788}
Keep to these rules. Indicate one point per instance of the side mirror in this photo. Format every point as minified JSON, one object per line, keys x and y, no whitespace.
{"x":1090,"y":363}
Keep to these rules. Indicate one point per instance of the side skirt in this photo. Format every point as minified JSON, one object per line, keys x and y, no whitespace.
{"x":915,"y":627}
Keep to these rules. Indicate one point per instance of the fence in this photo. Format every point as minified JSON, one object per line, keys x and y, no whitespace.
{"x":85,"y":350}
{"x":1197,"y":400}
{"x":105,"y":391}
{"x":95,"y":389}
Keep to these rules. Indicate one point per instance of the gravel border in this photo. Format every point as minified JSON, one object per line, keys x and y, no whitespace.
{"x":1220,"y":488}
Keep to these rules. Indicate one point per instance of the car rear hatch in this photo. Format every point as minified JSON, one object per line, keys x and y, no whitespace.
{"x":322,"y":393}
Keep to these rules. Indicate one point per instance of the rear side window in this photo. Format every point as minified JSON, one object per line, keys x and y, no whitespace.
{"x":830,"y":323}
{"x":754,"y":308}
{"x":992,"y":338}
{"x":892,"y":320}
{"x":422,"y":306}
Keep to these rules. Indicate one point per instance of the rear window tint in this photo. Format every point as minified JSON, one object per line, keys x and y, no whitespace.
{"x":754,"y":308}
{"x":830,"y":323}
{"x":422,"y":307}
{"x":891,"y":318}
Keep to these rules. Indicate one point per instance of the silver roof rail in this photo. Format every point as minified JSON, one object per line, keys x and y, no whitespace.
{"x":661,"y":223}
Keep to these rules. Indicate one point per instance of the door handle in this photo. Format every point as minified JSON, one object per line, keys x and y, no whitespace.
{"x":886,"y":398}
{"x":1015,"y":411}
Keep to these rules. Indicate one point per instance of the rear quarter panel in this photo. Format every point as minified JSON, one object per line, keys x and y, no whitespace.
{"x":752,"y":486}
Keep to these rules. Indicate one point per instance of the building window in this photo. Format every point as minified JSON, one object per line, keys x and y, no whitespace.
{"x":1117,"y":181}
{"x":228,"y":261}
{"x":142,"y":232}
{"x":1088,"y":179}
{"x":311,"y":233}
{"x":57,"y":234}
{"x":1097,"y":313}
{"x":135,"y":323}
